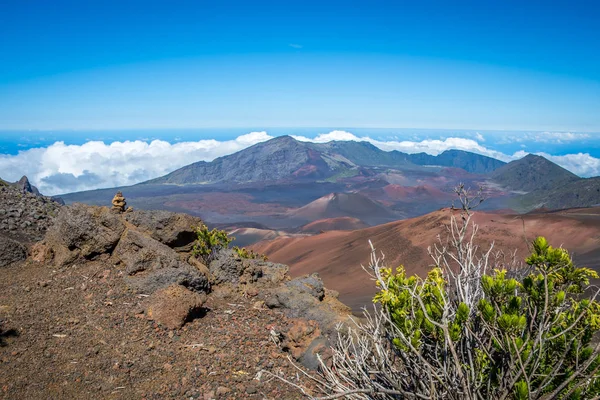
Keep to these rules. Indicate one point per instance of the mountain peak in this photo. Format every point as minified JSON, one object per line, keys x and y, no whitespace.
{"x":283,"y":139}
{"x":532,"y":172}
{"x":531,"y":157}
{"x":25,"y":186}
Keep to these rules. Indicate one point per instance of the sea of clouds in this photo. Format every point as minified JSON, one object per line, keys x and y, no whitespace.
{"x":61,"y":168}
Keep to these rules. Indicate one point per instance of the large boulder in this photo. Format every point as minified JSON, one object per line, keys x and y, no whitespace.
{"x":311,"y":284}
{"x":312,"y":306}
{"x":304,"y":341}
{"x":173,"y":229}
{"x":229,"y":267}
{"x":83,"y":231}
{"x":174,"y":305}
{"x":151,"y":265}
{"x":11,"y":251}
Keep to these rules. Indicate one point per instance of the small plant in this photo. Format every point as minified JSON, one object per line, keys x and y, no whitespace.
{"x":209,"y":242}
{"x":250,"y":254}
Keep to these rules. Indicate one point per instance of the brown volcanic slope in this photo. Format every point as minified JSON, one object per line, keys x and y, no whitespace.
{"x":334,"y":224}
{"x":337,"y":255}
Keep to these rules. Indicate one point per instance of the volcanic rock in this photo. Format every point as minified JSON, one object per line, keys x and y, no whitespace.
{"x":310,"y":284}
{"x":25,"y":216}
{"x":173,"y":229}
{"x":11,"y":251}
{"x":151,"y":265}
{"x":173,"y":306}
{"x":303,"y":340}
{"x":83,"y":231}
{"x":228,"y":267}
{"x":24,"y":186}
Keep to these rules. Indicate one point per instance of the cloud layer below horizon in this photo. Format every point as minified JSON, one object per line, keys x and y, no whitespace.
{"x":61,"y":168}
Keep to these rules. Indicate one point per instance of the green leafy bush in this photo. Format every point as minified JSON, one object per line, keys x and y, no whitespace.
{"x":209,"y":242}
{"x":530,"y":336}
{"x":249,"y":254}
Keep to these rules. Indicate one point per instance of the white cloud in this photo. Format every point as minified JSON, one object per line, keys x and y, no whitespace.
{"x":429,"y":146}
{"x":559,"y":137}
{"x":581,"y":164}
{"x":479,"y":137}
{"x":333,"y":135}
{"x":61,"y":168}
{"x":546,"y":137}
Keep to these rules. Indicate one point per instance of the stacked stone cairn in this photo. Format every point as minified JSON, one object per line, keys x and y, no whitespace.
{"x":119,"y":205}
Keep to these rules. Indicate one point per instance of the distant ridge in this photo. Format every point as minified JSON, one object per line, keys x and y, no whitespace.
{"x":532,"y":173}
{"x":470,"y":162}
{"x":285,"y":159}
{"x":583,"y":192}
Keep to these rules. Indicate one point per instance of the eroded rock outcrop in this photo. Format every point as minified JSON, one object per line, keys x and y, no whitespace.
{"x":151,"y":251}
{"x":11,"y":251}
{"x":151,"y":265}
{"x":228,"y":267}
{"x":24,"y":186}
{"x":173,"y":229}
{"x":25,"y":215}
{"x":83,"y":231}
{"x":315,"y":310}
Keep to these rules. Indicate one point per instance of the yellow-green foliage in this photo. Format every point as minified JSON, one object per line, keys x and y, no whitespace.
{"x":539,"y":323}
{"x":209,"y":242}
{"x":250,"y":254}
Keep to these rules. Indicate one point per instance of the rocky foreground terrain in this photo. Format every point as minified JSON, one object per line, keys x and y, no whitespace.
{"x":25,"y":215}
{"x":114,"y":305}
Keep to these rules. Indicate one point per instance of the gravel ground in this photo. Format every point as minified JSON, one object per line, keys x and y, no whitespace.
{"x":77,"y":332}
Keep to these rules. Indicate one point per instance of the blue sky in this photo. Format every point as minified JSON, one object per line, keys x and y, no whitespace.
{"x":509,"y":65}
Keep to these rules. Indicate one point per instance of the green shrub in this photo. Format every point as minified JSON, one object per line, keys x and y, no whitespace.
{"x":209,"y":242}
{"x":530,"y":336}
{"x":249,"y":254}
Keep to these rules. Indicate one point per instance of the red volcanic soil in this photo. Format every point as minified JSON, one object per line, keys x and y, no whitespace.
{"x":337,"y":256}
{"x":305,"y":170}
{"x":334,"y":224}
